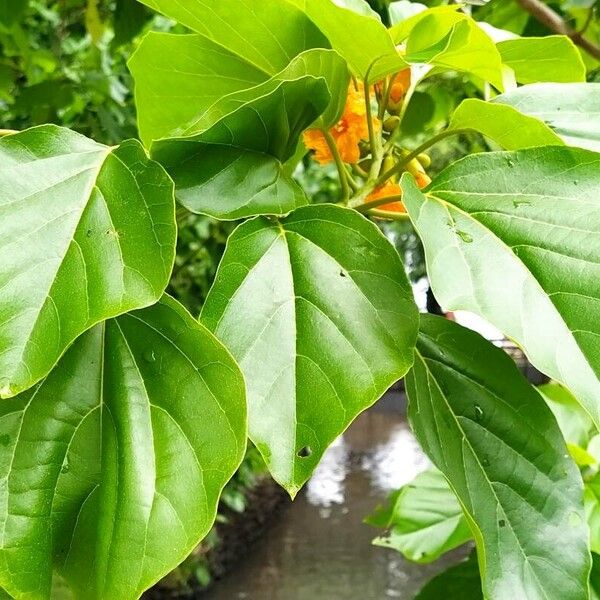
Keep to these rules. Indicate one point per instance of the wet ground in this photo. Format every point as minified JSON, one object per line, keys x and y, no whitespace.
{"x":318,"y":548}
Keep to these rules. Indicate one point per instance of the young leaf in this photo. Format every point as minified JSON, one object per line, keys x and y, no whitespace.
{"x":459,"y":46}
{"x":264,"y":35}
{"x":425,"y":521}
{"x":491,"y":434}
{"x":459,"y":581}
{"x":87,"y":232}
{"x":301,"y":303}
{"x":576,"y":425}
{"x":230,"y":165}
{"x":514,"y":237}
{"x":549,"y":58}
{"x":572,"y":110}
{"x":591,"y":499}
{"x":361,"y":39}
{"x":111,"y":468}
{"x":503,"y":124}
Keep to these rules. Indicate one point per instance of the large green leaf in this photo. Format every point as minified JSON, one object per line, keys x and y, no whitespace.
{"x":425,"y":519}
{"x":361,"y":39}
{"x":237,"y":44}
{"x":458,"y":582}
{"x":515,"y":237}
{"x":572,"y":110}
{"x":266,"y":34}
{"x":318,"y":312}
{"x":450,"y":43}
{"x":505,"y":125}
{"x":549,"y":58}
{"x":111,"y":468}
{"x":492,"y":435}
{"x":230,"y":165}
{"x":86,"y":232}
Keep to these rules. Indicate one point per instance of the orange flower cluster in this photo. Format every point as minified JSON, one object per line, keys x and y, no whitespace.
{"x":390,"y":188}
{"x":347,"y":132}
{"x":400,"y":85}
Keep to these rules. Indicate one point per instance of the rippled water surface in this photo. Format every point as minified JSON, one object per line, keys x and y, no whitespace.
{"x":318,"y":548}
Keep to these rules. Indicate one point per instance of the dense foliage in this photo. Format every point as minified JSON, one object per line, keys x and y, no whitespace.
{"x":123,"y":416}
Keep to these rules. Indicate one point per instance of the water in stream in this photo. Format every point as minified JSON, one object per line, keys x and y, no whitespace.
{"x":319,"y":548}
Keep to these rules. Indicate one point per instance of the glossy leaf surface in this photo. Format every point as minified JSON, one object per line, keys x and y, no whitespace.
{"x":514,"y":237}
{"x":299,"y":302}
{"x":230,"y":165}
{"x":572,"y":110}
{"x":135,"y":433}
{"x":491,"y":434}
{"x":86,"y":232}
{"x":358,"y":36}
{"x":551,"y":58}
{"x":505,"y":125}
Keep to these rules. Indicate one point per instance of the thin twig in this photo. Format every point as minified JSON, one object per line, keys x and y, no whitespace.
{"x":339,"y":163}
{"x":551,"y":19}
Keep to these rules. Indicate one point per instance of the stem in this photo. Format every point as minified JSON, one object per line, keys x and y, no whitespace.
{"x":388,"y":214}
{"x":386,"y":96}
{"x":551,"y":19}
{"x":351,"y":181}
{"x":367,"y":206}
{"x":399,"y":166}
{"x":5,"y":132}
{"x":339,"y":163}
{"x":375,"y":143}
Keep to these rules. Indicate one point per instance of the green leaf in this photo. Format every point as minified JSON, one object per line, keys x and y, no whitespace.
{"x":592,"y":509}
{"x":426,"y":519}
{"x":595,"y":577}
{"x":513,"y":237}
{"x":452,"y":41}
{"x":264,"y":36}
{"x":87,"y":232}
{"x":503,"y":124}
{"x":440,"y":18}
{"x":576,"y":425}
{"x":361,"y":39}
{"x":230,"y":165}
{"x":491,"y":434}
{"x":11,"y":11}
{"x":549,"y":58}
{"x":572,"y":110}
{"x":112,"y":466}
{"x":301,"y":302}
{"x":461,"y":581}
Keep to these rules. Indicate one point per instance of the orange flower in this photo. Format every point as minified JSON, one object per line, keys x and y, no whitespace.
{"x":389,"y":188}
{"x":400,"y":86}
{"x":347,"y":132}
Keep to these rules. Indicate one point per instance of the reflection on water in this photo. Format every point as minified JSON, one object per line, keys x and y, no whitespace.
{"x":319,"y":549}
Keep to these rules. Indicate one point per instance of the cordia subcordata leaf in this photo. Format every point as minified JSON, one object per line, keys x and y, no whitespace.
{"x":515,"y":238}
{"x":317,"y":310}
{"x":491,"y":434}
{"x":230,"y":164}
{"x":572,"y":110}
{"x":112,"y":466}
{"x":425,"y":519}
{"x":505,"y":125}
{"x":87,"y":232}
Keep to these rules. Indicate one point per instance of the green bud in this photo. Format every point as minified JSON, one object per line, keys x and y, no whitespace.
{"x":391,"y":124}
